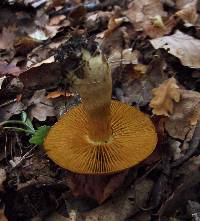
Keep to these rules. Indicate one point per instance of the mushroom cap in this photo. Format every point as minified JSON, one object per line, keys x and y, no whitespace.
{"x":133,"y":139}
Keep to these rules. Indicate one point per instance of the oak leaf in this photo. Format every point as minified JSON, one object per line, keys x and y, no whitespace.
{"x":164,"y":97}
{"x":183,"y":46}
{"x":186,"y":113}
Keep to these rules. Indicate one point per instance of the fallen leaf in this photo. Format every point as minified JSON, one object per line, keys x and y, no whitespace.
{"x":181,"y":45}
{"x":24,"y":45}
{"x":40,"y":107}
{"x":158,"y":26}
{"x":11,"y":109}
{"x":95,"y":187}
{"x":188,"y":107}
{"x":36,"y":77}
{"x":180,"y":4}
{"x":56,"y":94}
{"x":114,"y":23}
{"x":141,"y":11}
{"x":56,"y":20}
{"x":179,"y":129}
{"x":138,"y":88}
{"x":7,"y":38}
{"x":188,"y":14}
{"x":164,"y":97}
{"x":187,"y":188}
{"x":46,"y":61}
{"x":180,"y":124}
{"x":123,"y":207}
{"x":11,"y":69}
{"x":98,"y":20}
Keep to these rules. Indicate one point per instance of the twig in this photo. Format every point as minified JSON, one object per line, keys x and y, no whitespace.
{"x":8,"y":102}
{"x":194,"y":143}
{"x":24,"y":157}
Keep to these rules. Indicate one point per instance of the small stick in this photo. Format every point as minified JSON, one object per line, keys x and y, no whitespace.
{"x":8,"y":102}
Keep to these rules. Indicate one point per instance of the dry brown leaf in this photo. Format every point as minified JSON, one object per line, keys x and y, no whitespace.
{"x":137,"y":88}
{"x":188,"y":14}
{"x":164,"y":97}
{"x":123,"y":207}
{"x":180,"y":4}
{"x":142,"y":10}
{"x":24,"y":45}
{"x":11,"y":69}
{"x":114,"y":23}
{"x":181,"y":45}
{"x":178,"y":129}
{"x":40,"y":107}
{"x":157,"y":26}
{"x":7,"y":37}
{"x":56,"y":20}
{"x":11,"y":109}
{"x":186,"y":113}
{"x":96,"y":187}
{"x":188,"y":108}
{"x":56,"y":94}
{"x":46,"y":61}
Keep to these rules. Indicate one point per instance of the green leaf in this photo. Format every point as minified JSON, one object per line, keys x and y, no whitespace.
{"x":29,"y":124}
{"x":23,"y":116}
{"x":27,"y":121}
{"x":39,"y":135}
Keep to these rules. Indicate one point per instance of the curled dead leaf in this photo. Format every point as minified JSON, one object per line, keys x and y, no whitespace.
{"x":180,"y":124}
{"x":164,"y":97}
{"x":11,"y":109}
{"x":181,"y":45}
{"x":56,"y":94}
{"x":10,"y":69}
{"x":141,"y":11}
{"x":188,"y":14}
{"x":56,"y":20}
{"x":158,"y":26}
{"x":40,"y":107}
{"x":188,"y":108}
{"x":114,"y":23}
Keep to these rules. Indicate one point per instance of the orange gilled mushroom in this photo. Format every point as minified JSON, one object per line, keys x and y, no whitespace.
{"x":100,"y":136}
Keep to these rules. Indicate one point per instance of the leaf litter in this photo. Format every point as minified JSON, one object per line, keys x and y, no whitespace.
{"x":153,"y":51}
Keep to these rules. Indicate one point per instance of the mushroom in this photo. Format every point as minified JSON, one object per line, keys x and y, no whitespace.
{"x":100,"y":135}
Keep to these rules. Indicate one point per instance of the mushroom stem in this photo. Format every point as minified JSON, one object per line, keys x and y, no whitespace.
{"x":95,"y":90}
{"x":96,"y":101}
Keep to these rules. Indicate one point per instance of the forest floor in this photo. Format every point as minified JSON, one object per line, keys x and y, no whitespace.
{"x":153,"y":49}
